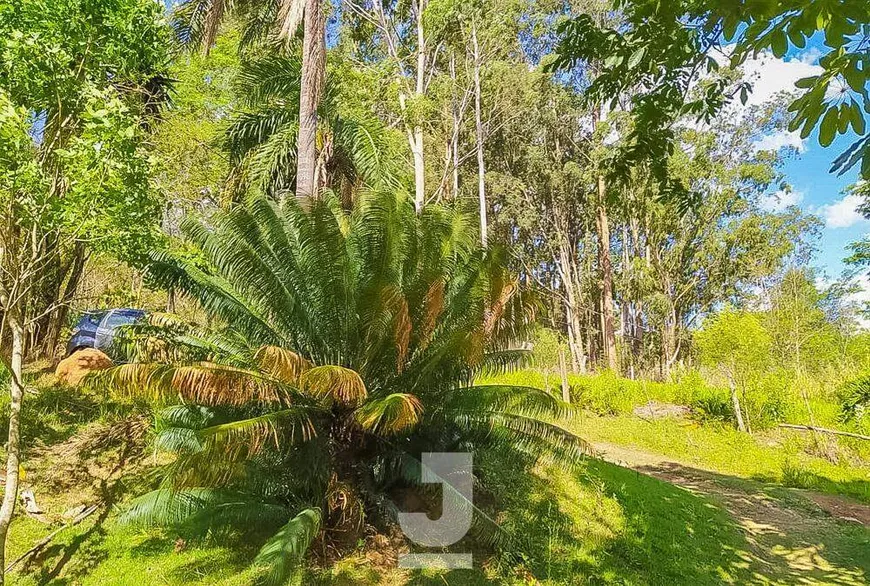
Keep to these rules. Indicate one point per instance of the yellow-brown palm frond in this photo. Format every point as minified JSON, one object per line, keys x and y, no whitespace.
{"x":433,"y":306}
{"x":393,"y":414}
{"x":502,"y":290}
{"x":342,"y":385}
{"x":282,"y":364}
{"x":402,"y":332}
{"x":205,"y":383}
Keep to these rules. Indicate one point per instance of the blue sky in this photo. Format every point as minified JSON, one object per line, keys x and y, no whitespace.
{"x":815,"y":189}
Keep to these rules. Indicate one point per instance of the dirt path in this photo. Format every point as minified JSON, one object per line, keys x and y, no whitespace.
{"x":798,"y":536}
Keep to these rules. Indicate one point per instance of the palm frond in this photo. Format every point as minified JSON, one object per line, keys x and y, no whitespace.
{"x":270,"y":79}
{"x":249,"y":435}
{"x":281,"y":363}
{"x":390,"y":415}
{"x":165,"y":507}
{"x":198,"y":511}
{"x":507,"y":399}
{"x":282,"y":554}
{"x":204,"y":383}
{"x":342,"y":385}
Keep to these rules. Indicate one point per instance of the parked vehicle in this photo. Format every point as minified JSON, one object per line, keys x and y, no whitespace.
{"x":97,"y":329}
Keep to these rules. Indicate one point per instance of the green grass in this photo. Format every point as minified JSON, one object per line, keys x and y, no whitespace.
{"x":604,"y":525}
{"x":599,"y":525}
{"x":779,"y":457}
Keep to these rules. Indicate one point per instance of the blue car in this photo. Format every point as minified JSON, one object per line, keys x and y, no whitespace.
{"x":97,"y":329}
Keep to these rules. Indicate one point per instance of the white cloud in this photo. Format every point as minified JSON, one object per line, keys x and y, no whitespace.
{"x":810,"y":56}
{"x":843,"y":213}
{"x":777,"y":202}
{"x":781,"y":139}
{"x":770,"y":76}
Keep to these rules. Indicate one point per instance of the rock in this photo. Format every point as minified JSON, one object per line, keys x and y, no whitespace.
{"x":77,"y":365}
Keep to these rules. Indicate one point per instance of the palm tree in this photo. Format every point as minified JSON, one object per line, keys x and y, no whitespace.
{"x":198,"y":21}
{"x":261,"y":139}
{"x":350,"y":345}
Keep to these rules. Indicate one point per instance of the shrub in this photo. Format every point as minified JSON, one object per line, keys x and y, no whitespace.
{"x":854,"y":398}
{"x":349,"y":347}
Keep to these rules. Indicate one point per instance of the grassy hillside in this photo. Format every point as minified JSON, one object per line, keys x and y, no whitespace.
{"x":602,"y":524}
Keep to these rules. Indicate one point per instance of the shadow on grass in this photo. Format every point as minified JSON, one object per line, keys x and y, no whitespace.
{"x":792,"y":540}
{"x":613,"y":525}
{"x":604,"y":525}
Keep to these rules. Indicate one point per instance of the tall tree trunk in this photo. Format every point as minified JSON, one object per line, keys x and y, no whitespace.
{"x":59,"y":316}
{"x":13,"y":447}
{"x":478,"y":125}
{"x":313,"y":73}
{"x":608,"y":339}
{"x":457,"y":120}
{"x":568,"y":276}
{"x":416,"y":137}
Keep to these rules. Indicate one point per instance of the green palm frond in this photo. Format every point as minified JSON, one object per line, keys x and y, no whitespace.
{"x":511,"y":399}
{"x":168,"y":507}
{"x":199,"y":511}
{"x":856,"y":398}
{"x":505,"y":361}
{"x":249,"y":435}
{"x":274,"y":77}
{"x":282,"y":554}
{"x":540,"y":439}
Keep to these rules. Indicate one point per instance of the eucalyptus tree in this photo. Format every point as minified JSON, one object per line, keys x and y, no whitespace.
{"x":720,"y":248}
{"x":401,"y":40}
{"x":275,"y":22}
{"x":660,"y":48}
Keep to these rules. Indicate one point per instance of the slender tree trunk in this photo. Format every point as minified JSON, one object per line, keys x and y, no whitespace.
{"x":13,"y":447}
{"x":59,"y":316}
{"x":454,"y":138}
{"x":563,"y":374}
{"x":478,"y":125}
{"x":735,"y":402}
{"x":416,"y":137}
{"x":568,"y":276}
{"x":313,"y":73}
{"x":608,"y":340}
